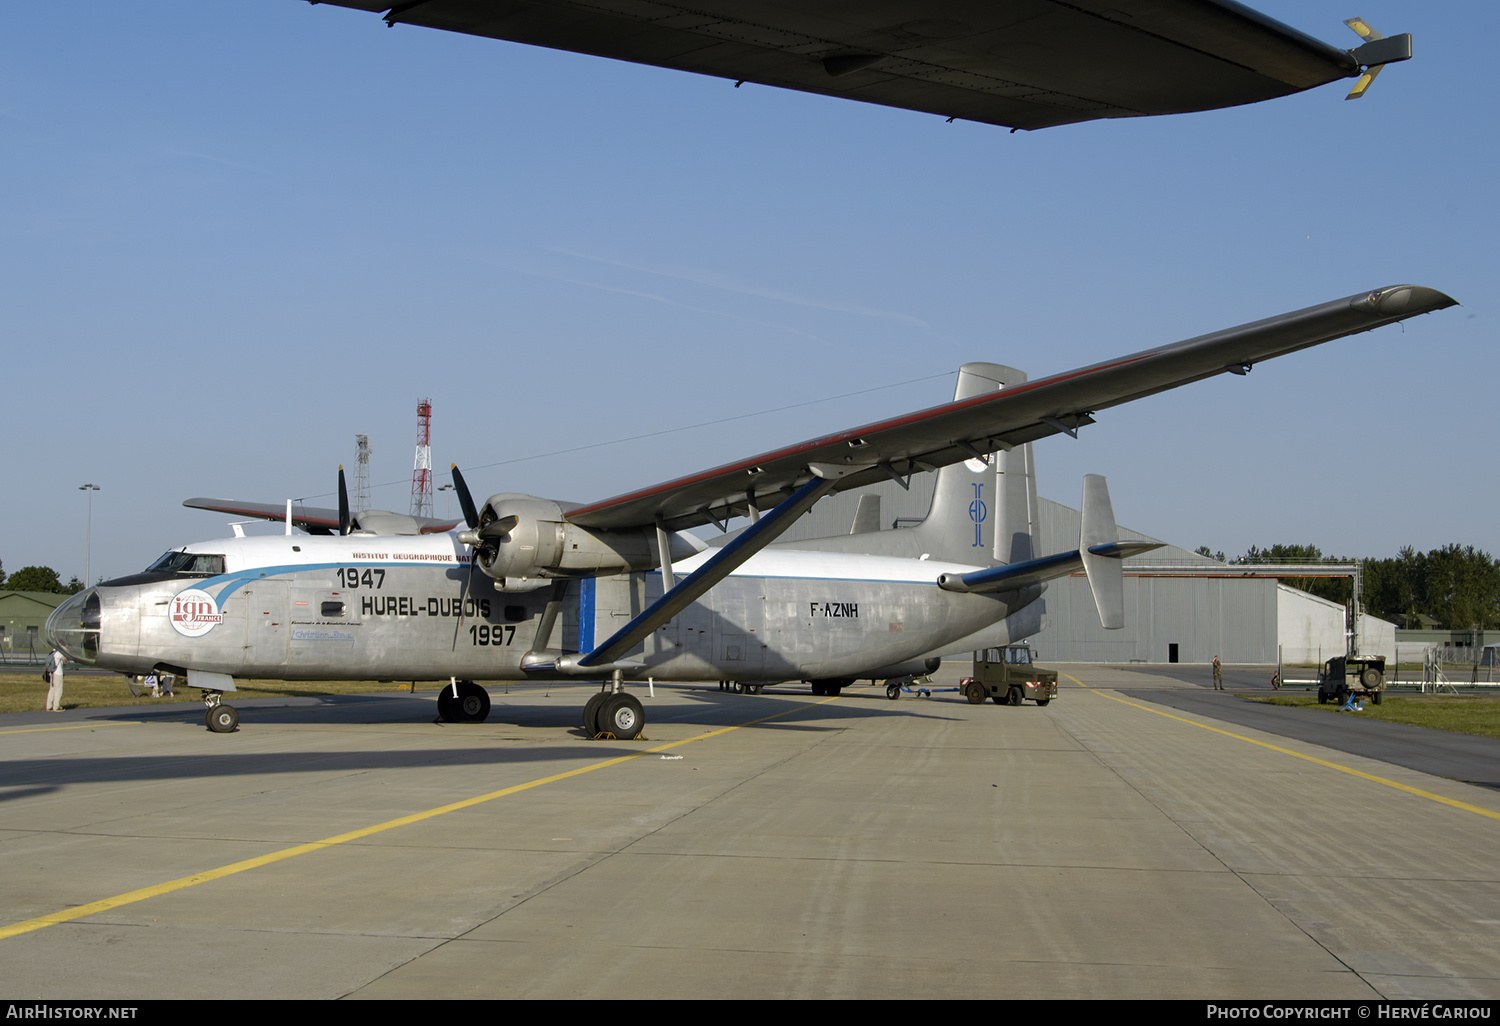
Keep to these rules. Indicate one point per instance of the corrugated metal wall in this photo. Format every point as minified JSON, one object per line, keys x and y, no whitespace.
{"x":1231,"y":617}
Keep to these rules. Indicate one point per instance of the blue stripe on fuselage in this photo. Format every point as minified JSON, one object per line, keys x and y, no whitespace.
{"x":586,"y":614}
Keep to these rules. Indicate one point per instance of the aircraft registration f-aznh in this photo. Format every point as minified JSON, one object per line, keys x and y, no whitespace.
{"x":615,"y":591}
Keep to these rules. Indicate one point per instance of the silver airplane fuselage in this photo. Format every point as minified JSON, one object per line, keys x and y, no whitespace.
{"x":305,"y":607}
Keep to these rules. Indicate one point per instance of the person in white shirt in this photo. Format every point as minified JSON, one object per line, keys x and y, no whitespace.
{"x":54,"y":688}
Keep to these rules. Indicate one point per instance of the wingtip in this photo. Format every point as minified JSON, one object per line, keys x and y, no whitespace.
{"x":1406,"y":300}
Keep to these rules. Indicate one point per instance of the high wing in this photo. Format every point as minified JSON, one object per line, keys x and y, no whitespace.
{"x":318,"y":520}
{"x":946,"y":434}
{"x":1020,"y":64}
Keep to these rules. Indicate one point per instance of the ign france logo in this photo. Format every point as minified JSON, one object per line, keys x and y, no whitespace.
{"x":194,"y":613}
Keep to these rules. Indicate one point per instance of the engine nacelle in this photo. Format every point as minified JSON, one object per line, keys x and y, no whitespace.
{"x":524,"y":541}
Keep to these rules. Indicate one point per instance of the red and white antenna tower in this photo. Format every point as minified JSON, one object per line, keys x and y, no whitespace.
{"x":421,"y":475}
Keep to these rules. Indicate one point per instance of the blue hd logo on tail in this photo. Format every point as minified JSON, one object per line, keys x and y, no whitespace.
{"x":977,"y":512}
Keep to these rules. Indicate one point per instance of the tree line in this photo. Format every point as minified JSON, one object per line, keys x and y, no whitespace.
{"x":38,"y":578}
{"x":1456,"y":585}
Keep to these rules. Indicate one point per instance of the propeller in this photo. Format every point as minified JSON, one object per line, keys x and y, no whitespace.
{"x":484,"y":530}
{"x":343,"y":503}
{"x":1376,"y":53}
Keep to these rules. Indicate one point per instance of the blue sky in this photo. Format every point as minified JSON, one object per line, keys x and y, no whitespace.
{"x":235,"y":234}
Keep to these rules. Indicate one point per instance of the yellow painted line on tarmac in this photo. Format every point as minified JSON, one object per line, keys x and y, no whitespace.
{"x":130,"y":897}
{"x":1465,"y":806}
{"x":75,"y":726}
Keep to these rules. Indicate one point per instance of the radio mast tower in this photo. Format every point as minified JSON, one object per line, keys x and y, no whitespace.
{"x":421,"y":475}
{"x":362,"y":473}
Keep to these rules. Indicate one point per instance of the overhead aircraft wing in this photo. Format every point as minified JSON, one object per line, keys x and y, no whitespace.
{"x":1020,"y":64}
{"x":959,"y":430}
{"x":318,"y":520}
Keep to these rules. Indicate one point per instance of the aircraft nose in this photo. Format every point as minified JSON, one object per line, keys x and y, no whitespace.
{"x":73,"y":627}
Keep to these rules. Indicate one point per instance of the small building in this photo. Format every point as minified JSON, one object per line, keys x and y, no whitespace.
{"x":22,"y":617}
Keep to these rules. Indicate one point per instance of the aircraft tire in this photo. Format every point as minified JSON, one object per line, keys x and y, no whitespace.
{"x":623,"y":716}
{"x":893,"y":691}
{"x":974,"y":692}
{"x":591,"y":713}
{"x":473,"y":702}
{"x":222,"y":719}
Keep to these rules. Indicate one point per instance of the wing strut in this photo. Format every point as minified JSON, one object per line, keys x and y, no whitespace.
{"x":719,"y":566}
{"x":664,"y":556}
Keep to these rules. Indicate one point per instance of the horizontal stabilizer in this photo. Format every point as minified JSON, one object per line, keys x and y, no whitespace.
{"x":1035,"y":571}
{"x":1099,"y":555}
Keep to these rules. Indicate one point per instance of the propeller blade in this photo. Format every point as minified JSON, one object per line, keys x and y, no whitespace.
{"x":1364,"y":83}
{"x":343,"y":503}
{"x":471,"y":513}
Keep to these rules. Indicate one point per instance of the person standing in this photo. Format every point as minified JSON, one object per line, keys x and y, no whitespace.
{"x":55,"y":680}
{"x":1218,"y":675}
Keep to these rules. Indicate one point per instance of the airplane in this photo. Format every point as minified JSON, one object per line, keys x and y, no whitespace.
{"x":1022,"y":64}
{"x":615,"y":590}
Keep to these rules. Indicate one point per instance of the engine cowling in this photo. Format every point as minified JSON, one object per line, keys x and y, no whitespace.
{"x":523,"y":542}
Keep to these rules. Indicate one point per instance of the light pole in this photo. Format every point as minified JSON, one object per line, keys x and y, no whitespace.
{"x":88,"y":535}
{"x":448,"y":502}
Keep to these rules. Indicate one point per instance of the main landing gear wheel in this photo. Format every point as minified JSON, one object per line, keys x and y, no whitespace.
{"x":621,"y":715}
{"x":470,"y":705}
{"x":591,"y":713}
{"x":222,"y":719}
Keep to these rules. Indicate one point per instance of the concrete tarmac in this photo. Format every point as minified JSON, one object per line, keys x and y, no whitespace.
{"x":773,"y":846}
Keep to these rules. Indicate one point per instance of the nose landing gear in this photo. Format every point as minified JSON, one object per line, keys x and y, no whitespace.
{"x":217,"y":717}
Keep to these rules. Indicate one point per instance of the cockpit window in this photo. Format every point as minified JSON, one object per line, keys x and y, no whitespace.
{"x":189,"y":564}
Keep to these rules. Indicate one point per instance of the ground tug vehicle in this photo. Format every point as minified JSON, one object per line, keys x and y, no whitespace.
{"x":1007,"y":676}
